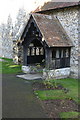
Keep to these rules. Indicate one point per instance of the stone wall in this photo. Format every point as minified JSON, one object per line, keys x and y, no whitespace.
{"x":56,"y":73}
{"x":69,"y":18}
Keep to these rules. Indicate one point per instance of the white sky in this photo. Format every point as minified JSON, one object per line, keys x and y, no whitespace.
{"x":12,"y":6}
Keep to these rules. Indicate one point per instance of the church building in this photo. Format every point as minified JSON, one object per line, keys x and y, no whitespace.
{"x":51,"y":39}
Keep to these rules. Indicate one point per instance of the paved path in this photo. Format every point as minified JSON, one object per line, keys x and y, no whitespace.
{"x":37,"y":76}
{"x":18,"y":100}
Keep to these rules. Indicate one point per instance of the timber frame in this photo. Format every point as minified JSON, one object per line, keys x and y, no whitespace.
{"x":32,"y":44}
{"x":36,"y":50}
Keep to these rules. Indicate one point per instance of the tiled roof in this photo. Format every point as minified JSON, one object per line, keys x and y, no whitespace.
{"x":55,"y":5}
{"x":52,"y":31}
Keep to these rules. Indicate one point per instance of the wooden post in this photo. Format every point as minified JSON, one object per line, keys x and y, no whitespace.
{"x":48,"y":57}
{"x":25,"y":55}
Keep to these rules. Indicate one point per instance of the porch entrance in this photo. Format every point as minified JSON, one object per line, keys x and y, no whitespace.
{"x":35,"y":53}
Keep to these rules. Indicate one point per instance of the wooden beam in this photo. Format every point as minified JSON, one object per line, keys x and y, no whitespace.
{"x":25,"y":55}
{"x":48,"y":57}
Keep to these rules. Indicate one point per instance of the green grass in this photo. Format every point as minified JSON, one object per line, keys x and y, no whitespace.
{"x":71,"y":114}
{"x":6,"y":59}
{"x":8,"y":67}
{"x":70,"y":84}
{"x":51,"y":94}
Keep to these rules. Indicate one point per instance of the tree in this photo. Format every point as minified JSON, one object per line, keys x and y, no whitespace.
{"x":2,"y":30}
{"x":2,"y":38}
{"x":17,"y":31}
{"x":6,"y":38}
{"x":20,"y":20}
{"x":9,"y":25}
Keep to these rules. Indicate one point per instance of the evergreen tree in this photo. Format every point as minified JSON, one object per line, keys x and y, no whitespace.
{"x":9,"y":25}
{"x":20,"y":20}
{"x":6,"y":38}
{"x":3,"y":30}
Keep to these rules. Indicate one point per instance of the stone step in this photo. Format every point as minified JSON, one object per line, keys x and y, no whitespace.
{"x":31,"y":76}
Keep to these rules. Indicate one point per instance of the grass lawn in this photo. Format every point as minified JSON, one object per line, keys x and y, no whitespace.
{"x":8,"y":67}
{"x":69,"y":114}
{"x":50,"y":94}
{"x":70,"y":84}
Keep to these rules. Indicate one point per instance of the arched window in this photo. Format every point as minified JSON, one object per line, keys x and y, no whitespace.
{"x":57,"y":53}
{"x":37,"y":51}
{"x":33,"y":51}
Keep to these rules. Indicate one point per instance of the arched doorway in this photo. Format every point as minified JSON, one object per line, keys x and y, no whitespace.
{"x":33,"y":48}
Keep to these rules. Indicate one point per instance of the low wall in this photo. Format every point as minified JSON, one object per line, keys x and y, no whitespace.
{"x":48,"y":74}
{"x":32,"y":69}
{"x":57,"y":73}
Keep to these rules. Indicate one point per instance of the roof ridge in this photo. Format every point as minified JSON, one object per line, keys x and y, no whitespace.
{"x":56,"y":5}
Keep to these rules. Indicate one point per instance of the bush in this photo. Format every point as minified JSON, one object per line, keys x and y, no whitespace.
{"x":50,"y":83}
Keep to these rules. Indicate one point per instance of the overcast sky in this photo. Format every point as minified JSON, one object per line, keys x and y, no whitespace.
{"x":12,"y":6}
